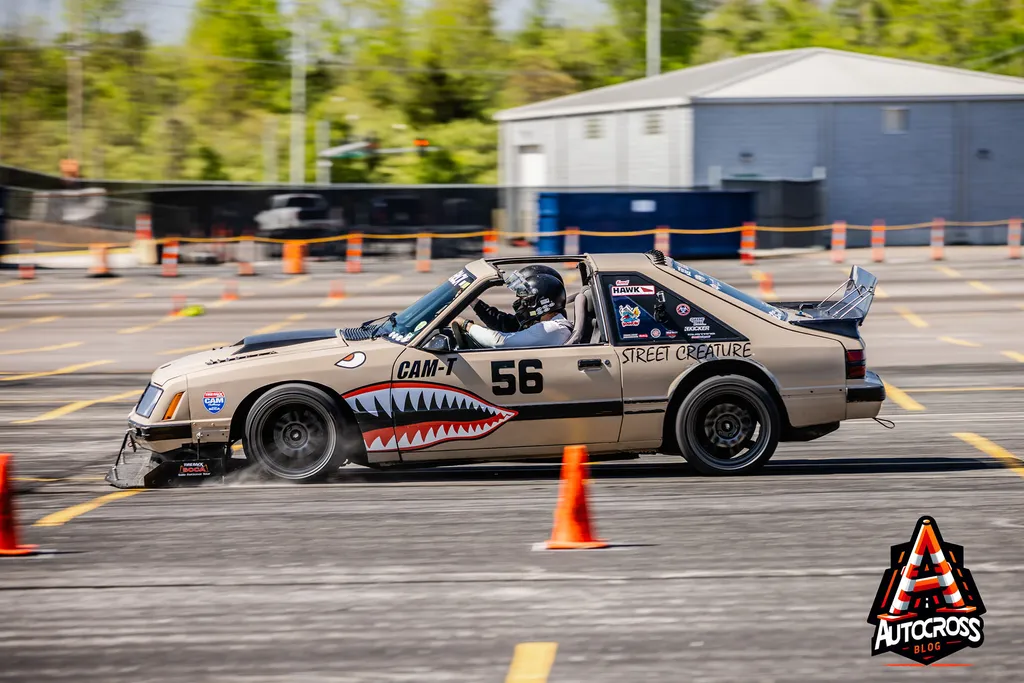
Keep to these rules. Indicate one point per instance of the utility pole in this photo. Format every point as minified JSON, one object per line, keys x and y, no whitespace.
{"x":297,"y":175}
{"x":74,"y":63}
{"x":270,"y":150}
{"x":323,"y":141}
{"x":653,"y":37}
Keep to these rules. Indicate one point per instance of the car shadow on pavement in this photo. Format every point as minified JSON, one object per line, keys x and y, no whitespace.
{"x":516,"y":472}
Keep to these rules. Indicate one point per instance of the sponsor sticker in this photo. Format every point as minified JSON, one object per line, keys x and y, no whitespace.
{"x":352,"y":360}
{"x":683,"y":309}
{"x":927,"y":606}
{"x":622,"y":282}
{"x":419,"y":326}
{"x":633,"y":290}
{"x":655,"y":333}
{"x":193,"y":469}
{"x":629,"y":316}
{"x":214,"y":401}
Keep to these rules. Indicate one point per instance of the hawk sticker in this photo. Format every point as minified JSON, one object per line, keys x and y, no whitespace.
{"x":927,"y":606}
{"x":629,"y":315}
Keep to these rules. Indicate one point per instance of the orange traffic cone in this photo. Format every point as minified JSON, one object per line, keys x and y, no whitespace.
{"x":8,"y":524}
{"x":178,"y":302}
{"x":766,"y":286}
{"x":572,"y":529}
{"x":337,"y":290}
{"x":230,"y":291}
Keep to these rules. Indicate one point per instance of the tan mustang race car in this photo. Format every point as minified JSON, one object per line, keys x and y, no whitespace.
{"x":662,"y":358}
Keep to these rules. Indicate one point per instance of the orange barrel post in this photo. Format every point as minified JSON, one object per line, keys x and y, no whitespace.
{"x":354,"y":253}
{"x":938,"y":239}
{"x":245,"y":254}
{"x":27,"y":269}
{"x":424,"y":247}
{"x":490,"y":244}
{"x":169,"y":261}
{"x":294,"y":258}
{"x":663,"y":240}
{"x":748,"y":243}
{"x":878,"y":241}
{"x":144,"y":246}
{"x":571,"y":245}
{"x":99,"y":257}
{"x":838,"y":241}
{"x":1013,"y":237}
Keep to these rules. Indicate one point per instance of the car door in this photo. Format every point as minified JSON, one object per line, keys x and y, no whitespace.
{"x":502,"y":402}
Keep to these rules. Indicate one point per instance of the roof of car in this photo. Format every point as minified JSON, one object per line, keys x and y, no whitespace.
{"x":621,"y":261}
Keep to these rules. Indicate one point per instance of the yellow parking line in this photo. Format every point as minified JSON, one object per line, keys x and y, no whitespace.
{"x":142,"y":295}
{"x":946,"y":390}
{"x":66,"y":515}
{"x":292,"y":281}
{"x":33,"y":321}
{"x":103,"y":304}
{"x":196,"y":283}
{"x":59,"y":371}
{"x":107,"y":282}
{"x":912,"y":318}
{"x":571,"y":277}
{"x":274,"y":327}
{"x":900,"y":398}
{"x":386,"y":280}
{"x":1013,"y":355}
{"x":55,"y":347}
{"x":531,"y":663}
{"x":193,"y":349}
{"x":946,"y":270}
{"x":36,"y":297}
{"x":995,"y":450}
{"x":982,"y":287}
{"x":147,"y":326}
{"x":44,"y":480}
{"x":960,"y":342}
{"x":880,"y":293}
{"x":75,"y":406}
{"x":329,"y":303}
{"x":13,"y":283}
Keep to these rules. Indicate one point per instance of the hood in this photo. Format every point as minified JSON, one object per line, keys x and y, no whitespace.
{"x":250,"y":348}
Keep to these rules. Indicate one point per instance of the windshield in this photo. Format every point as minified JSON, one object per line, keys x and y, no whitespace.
{"x":728,"y":290}
{"x":409,"y":322}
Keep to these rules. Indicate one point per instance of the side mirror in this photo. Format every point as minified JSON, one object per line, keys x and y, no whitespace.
{"x":439,"y":343}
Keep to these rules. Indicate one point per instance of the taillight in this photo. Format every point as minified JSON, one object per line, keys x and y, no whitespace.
{"x":856,"y":364}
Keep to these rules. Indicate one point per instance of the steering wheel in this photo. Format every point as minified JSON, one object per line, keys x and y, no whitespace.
{"x":461,"y":338}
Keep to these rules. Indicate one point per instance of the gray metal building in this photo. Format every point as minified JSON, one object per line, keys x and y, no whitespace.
{"x":892,"y":139}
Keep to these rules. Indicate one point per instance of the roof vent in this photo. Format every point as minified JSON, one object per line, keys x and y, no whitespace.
{"x":656,"y":256}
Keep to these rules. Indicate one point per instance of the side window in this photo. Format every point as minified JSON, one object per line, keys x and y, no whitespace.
{"x":645,"y":312}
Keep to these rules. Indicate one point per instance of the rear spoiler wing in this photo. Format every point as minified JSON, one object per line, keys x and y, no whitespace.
{"x":842,"y":311}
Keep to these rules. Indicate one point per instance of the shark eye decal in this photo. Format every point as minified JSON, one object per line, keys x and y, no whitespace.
{"x":422,"y":414}
{"x":352,"y":360}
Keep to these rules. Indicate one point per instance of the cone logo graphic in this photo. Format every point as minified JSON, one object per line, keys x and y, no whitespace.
{"x":927,"y":606}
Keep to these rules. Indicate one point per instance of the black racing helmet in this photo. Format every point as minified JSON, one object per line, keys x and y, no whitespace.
{"x":536,"y":295}
{"x":537,"y":268}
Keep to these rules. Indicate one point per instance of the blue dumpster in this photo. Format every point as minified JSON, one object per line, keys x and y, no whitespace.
{"x":611,"y":212}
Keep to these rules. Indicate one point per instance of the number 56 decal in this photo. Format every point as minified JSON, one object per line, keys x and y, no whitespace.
{"x":503,"y":377}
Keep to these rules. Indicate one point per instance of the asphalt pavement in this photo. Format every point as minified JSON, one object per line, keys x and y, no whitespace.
{"x":423,"y":576}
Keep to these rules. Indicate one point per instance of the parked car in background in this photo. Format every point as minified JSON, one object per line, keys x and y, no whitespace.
{"x":301,"y":216}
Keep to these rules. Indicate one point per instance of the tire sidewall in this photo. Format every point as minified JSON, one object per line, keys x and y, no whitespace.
{"x":306,"y":396}
{"x":749,"y":390}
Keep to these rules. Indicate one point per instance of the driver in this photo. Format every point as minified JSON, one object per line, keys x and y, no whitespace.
{"x":499,"y":320}
{"x":540,"y":311}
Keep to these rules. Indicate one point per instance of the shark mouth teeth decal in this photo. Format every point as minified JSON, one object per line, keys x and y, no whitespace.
{"x":414,"y":415}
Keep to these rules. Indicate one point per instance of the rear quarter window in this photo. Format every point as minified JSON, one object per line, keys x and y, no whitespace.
{"x":643,"y":311}
{"x":728,"y":290}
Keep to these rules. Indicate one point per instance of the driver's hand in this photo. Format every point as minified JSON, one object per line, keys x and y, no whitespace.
{"x":461,"y":322}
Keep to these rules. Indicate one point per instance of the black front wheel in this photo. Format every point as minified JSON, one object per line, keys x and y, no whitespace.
{"x":728,"y":425}
{"x":294,"y":432}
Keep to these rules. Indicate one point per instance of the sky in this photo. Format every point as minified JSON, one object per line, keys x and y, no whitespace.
{"x":167,"y":21}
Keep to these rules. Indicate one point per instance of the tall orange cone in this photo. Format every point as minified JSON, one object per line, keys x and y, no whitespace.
{"x":572,"y":530}
{"x":8,"y":524}
{"x":230,"y":291}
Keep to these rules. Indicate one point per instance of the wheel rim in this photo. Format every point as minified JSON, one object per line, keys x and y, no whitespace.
{"x":730,"y":430}
{"x":296,"y":439}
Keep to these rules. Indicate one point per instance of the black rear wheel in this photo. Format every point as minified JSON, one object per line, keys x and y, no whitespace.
{"x":728,"y":425}
{"x":294,"y":432}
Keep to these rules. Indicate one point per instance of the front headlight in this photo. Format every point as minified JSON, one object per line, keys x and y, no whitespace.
{"x":149,"y":399}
